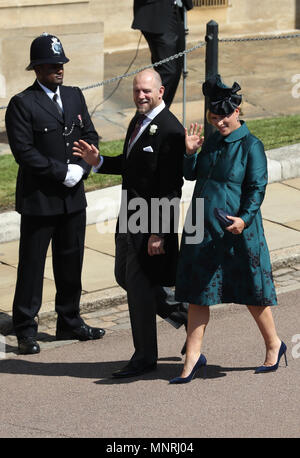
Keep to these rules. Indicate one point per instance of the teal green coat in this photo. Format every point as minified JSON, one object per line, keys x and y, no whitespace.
{"x":230,"y":173}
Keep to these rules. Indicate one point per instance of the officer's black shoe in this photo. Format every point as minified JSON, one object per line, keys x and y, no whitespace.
{"x":28,"y":346}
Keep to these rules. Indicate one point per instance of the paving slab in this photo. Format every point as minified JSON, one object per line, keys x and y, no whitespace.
{"x":280,"y":237}
{"x":97,"y":271}
{"x":281,"y":203}
{"x":100,"y":237}
{"x":294,"y":183}
{"x":294,"y":224}
{"x":9,"y":252}
{"x":8,"y":276}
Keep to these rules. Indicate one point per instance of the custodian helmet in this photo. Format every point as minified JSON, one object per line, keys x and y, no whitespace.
{"x":46,"y":49}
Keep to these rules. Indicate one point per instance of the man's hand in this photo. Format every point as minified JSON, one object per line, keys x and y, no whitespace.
{"x":155,"y":245}
{"x":87,"y":152}
{"x":193,"y":140}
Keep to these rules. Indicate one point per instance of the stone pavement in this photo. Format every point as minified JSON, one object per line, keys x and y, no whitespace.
{"x":103,"y":302}
{"x":68,"y":392}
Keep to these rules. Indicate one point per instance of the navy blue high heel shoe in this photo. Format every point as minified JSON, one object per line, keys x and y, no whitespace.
{"x":201,"y":362}
{"x":282,"y":351}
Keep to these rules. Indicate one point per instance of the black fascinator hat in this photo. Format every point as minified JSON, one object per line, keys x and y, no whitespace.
{"x":223,"y":100}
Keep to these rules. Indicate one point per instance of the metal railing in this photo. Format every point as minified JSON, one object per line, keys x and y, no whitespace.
{"x":210,"y":3}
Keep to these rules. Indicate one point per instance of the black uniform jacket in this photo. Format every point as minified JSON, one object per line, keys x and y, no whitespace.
{"x":153,"y":170}
{"x":150,"y":15}
{"x":41,"y":142}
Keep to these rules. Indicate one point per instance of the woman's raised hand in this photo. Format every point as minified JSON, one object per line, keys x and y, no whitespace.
{"x":193,"y":138}
{"x":87,"y":152}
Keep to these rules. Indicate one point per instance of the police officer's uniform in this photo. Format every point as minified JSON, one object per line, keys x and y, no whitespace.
{"x":51,"y":205}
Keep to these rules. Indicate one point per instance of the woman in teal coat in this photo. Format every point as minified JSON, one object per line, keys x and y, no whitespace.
{"x":232,"y":262}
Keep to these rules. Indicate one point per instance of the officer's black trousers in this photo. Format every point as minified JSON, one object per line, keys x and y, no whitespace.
{"x":67,"y":233}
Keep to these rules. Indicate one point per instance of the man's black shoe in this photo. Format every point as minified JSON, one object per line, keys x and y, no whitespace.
{"x":28,"y":346}
{"x":130,"y":371}
{"x":82,"y":333}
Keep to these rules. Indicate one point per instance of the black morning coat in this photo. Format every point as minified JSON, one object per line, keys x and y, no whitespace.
{"x":156,"y":174}
{"x":41,"y":142}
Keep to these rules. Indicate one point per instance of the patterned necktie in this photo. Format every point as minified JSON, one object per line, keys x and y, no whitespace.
{"x":137,"y":127}
{"x":55,"y":97}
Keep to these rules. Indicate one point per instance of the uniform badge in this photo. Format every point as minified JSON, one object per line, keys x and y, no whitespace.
{"x":80,"y":121}
{"x":56,"y":46}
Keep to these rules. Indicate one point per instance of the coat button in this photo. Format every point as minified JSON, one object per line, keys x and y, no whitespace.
{"x":66,"y":128}
{"x":46,"y":130}
{"x":68,"y":144}
{"x":68,"y":161}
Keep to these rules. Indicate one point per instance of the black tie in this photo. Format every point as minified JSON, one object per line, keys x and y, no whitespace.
{"x":57,"y":105}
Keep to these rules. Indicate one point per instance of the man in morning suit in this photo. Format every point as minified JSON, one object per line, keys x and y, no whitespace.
{"x":151,"y":169}
{"x":42,"y":123}
{"x":162,"y":24}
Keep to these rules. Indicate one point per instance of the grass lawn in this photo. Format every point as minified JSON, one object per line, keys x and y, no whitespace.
{"x":274,"y":132}
{"x":9,"y":170}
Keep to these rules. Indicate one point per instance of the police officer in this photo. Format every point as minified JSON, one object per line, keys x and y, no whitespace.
{"x":42,"y":123}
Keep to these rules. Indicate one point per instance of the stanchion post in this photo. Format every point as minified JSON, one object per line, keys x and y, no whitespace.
{"x":184,"y":70}
{"x":211,"y":64}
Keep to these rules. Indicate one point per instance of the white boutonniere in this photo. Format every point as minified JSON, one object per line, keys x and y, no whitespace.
{"x":153,"y":129}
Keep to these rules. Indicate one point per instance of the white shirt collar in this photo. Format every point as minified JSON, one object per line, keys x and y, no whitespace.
{"x":153,"y":113}
{"x":48,"y":91}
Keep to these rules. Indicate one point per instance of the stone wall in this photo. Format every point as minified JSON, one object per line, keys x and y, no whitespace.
{"x":261,"y":16}
{"x":240,"y":17}
{"x":81,"y":34}
{"x":89,"y":28}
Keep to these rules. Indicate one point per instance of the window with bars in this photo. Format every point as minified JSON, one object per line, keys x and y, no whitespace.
{"x":210,"y":3}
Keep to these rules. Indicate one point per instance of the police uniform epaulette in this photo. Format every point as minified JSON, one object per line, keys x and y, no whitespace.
{"x":21,"y":94}
{"x":24,"y":92}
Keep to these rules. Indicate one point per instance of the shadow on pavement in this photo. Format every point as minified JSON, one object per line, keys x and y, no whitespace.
{"x":165,"y":371}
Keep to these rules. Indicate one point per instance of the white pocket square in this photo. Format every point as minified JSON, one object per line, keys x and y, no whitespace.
{"x":148,"y":149}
